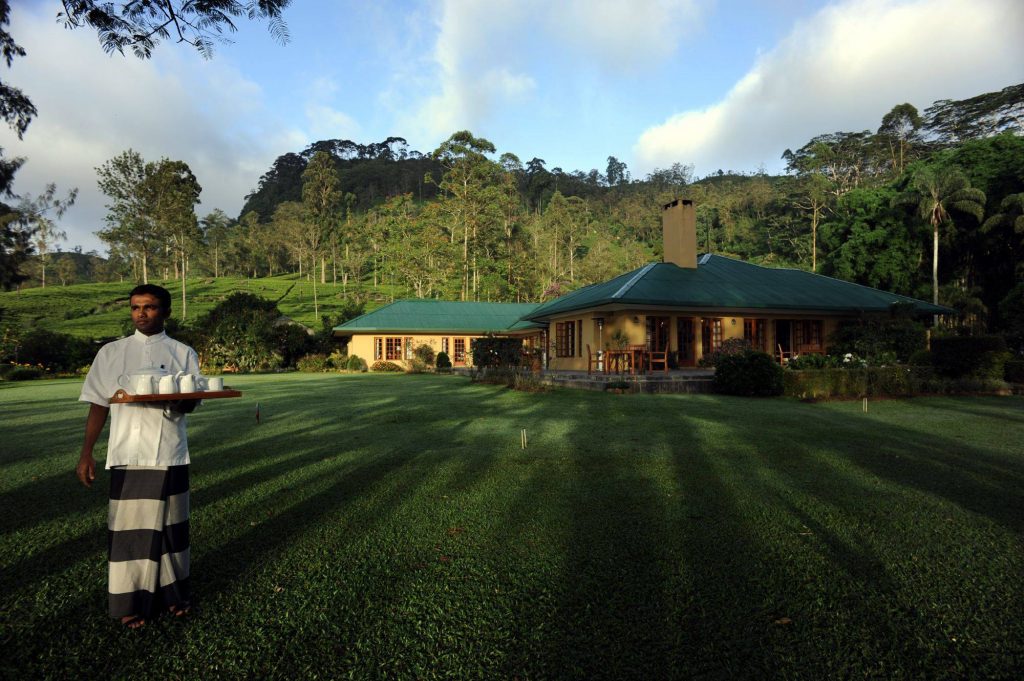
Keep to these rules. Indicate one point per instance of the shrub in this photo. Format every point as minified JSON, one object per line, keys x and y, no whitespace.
{"x":6,"y":369}
{"x":1013,"y":371}
{"x":920,"y":358}
{"x":20,"y":373}
{"x":382,"y":365}
{"x":292,"y":342}
{"x":870,"y":338}
{"x":425,"y":354}
{"x":491,"y":351}
{"x":977,"y":356}
{"x":239,"y":333}
{"x":443,"y":362}
{"x":733,"y":346}
{"x":355,"y":363}
{"x":750,"y":372}
{"x":415,"y":366}
{"x":54,"y":351}
{"x":314,"y":363}
{"x":810,"y":361}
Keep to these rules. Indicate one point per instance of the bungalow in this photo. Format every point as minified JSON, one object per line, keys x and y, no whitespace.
{"x":394,"y":331}
{"x":686,"y":307}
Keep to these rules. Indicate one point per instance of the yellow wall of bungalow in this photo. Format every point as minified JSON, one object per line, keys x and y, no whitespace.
{"x":398,"y":347}
{"x":688,"y":336}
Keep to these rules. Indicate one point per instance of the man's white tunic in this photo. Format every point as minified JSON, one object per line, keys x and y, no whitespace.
{"x":141,"y":434}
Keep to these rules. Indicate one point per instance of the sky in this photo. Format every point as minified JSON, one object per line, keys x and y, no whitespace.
{"x":720,"y":84}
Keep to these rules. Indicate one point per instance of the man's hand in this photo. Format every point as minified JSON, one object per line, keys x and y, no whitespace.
{"x":86,"y":470}
{"x":182,"y":406}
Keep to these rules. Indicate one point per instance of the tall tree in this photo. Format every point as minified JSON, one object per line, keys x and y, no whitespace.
{"x":900,"y":130}
{"x":35,"y":217}
{"x":129,"y":222}
{"x":215,"y":228}
{"x":470,"y":197}
{"x":321,"y":196}
{"x":936,"y":191}
{"x":171,"y":192}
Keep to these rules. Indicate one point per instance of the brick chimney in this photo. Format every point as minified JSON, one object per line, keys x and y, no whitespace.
{"x":679,"y":232}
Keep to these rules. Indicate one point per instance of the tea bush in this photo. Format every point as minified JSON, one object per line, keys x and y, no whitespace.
{"x":382,"y":365}
{"x":355,"y":363}
{"x":751,"y":373}
{"x":443,"y":362}
{"x":890,"y":381}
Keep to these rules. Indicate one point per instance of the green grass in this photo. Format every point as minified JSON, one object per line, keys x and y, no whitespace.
{"x":101,"y":310}
{"x":392,"y":527}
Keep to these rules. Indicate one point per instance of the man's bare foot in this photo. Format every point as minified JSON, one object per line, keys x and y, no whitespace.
{"x":180,"y":610}
{"x":132,"y":621}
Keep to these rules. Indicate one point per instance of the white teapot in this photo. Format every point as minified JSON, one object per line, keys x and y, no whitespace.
{"x":145,"y":381}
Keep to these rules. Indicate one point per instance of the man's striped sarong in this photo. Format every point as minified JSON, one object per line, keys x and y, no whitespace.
{"x":147,"y":538}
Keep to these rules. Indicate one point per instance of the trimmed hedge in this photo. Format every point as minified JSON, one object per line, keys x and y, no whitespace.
{"x":977,"y":356}
{"x":893,"y":381}
{"x":1013,"y":371}
{"x":750,"y":373}
{"x":355,"y":363}
{"x":443,"y":361}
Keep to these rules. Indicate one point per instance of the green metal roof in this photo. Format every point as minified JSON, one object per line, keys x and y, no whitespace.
{"x":719,"y":282}
{"x":443,"y":315}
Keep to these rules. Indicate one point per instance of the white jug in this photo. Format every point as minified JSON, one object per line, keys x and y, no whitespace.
{"x":168,"y":385}
{"x":187,"y":383}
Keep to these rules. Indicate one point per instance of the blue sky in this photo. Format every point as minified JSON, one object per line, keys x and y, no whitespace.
{"x":717,"y":83}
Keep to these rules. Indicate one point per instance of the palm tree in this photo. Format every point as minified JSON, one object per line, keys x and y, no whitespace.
{"x":936,"y":192}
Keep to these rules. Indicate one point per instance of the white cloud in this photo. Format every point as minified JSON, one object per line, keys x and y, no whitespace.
{"x":623,"y":36}
{"x":93,"y":106}
{"x":492,"y":54}
{"x":843,"y":69}
{"x":328,"y":123}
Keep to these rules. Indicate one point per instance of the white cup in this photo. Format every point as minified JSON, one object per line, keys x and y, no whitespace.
{"x":187,"y":383}
{"x":168,"y":385}
{"x":215,"y":383}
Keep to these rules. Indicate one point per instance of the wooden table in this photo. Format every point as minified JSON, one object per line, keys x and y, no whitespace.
{"x":633,"y":356}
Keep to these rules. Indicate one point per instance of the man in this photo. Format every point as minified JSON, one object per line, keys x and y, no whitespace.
{"x":147,"y":455}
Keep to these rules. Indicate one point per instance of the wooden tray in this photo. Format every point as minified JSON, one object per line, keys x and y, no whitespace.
{"x":120,"y":397}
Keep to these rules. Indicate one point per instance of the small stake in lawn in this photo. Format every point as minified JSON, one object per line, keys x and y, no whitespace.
{"x":257,"y":412}
{"x":864,"y":405}
{"x":522,"y":437}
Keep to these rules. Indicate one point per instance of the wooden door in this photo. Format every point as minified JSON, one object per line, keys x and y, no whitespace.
{"x":684,"y":336}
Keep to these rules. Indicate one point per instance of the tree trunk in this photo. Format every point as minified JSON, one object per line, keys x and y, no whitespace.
{"x":935,"y":270}
{"x":145,"y":267}
{"x":184,"y":303}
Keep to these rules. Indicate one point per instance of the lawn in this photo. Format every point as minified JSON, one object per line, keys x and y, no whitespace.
{"x":393,"y":527}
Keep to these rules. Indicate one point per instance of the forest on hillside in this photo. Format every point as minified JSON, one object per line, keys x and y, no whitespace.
{"x":929,"y":204}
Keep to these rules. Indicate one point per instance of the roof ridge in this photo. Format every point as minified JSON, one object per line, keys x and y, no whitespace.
{"x":633,"y":280}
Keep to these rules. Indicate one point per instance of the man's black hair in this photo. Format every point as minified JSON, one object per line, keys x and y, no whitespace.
{"x":158,"y":292}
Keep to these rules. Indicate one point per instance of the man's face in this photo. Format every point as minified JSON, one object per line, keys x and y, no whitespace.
{"x":147,"y":315}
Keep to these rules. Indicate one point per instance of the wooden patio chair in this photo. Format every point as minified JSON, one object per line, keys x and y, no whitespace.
{"x":592,"y":359}
{"x":784,"y":355}
{"x":659,"y":357}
